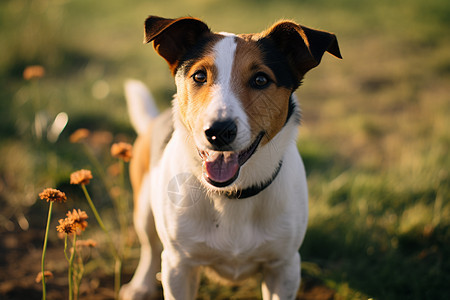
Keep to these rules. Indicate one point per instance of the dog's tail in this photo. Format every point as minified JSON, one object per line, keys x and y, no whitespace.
{"x":141,"y":105}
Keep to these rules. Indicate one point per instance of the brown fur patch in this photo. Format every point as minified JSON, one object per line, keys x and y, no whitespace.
{"x":266,"y":108}
{"x":194,"y":97}
{"x":140,"y":163}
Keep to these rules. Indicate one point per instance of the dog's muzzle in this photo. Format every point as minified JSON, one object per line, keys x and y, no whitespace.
{"x":221,"y":168}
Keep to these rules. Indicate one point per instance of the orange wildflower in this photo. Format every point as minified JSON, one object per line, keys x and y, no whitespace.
{"x":122,"y":150}
{"x":47,"y":275}
{"x":79,"y":135}
{"x":81,"y":177}
{"x":53,"y":195}
{"x":66,"y":226}
{"x":32,"y":72}
{"x":78,"y":217}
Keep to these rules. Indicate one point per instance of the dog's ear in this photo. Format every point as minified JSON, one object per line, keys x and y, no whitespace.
{"x":303,"y":46}
{"x":172,"y":38}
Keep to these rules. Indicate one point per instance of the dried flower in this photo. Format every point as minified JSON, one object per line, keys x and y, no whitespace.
{"x":79,"y":135}
{"x":81,"y":177}
{"x":66,"y":226}
{"x":114,"y":169}
{"x":115,"y":192}
{"x":47,"y":275}
{"x":53,"y":195}
{"x":32,"y":72}
{"x":100,"y":138}
{"x":87,"y":243}
{"x":78,"y":217}
{"x":122,"y":150}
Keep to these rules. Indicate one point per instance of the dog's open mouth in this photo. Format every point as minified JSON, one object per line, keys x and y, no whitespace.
{"x":221,"y":168}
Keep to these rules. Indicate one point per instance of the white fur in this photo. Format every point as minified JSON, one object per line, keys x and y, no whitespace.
{"x":200,"y":228}
{"x":141,"y":106}
{"x":224,"y":103}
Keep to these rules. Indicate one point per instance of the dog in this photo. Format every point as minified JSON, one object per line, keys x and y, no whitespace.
{"x":218,"y":181}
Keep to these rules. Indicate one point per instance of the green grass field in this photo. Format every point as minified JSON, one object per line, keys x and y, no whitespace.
{"x":375,"y":134}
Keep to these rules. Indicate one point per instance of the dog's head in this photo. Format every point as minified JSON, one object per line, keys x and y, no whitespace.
{"x":234,"y":91}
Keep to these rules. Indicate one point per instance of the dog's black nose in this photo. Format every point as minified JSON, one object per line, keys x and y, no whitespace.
{"x":221,"y":134}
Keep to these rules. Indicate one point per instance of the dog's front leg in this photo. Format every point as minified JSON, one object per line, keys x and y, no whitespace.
{"x":179,"y":279}
{"x":144,"y":286}
{"x":281,"y":282}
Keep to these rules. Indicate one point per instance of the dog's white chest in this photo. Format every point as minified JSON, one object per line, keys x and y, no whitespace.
{"x":233,"y":252}
{"x":238,"y":238}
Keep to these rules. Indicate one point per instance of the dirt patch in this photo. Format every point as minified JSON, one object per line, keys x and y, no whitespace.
{"x":20,"y":262}
{"x":20,"y":257}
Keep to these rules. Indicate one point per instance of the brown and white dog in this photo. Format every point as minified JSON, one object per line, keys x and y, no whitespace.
{"x":218,"y":181}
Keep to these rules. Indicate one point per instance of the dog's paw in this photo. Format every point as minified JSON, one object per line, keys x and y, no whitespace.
{"x":130,"y":292}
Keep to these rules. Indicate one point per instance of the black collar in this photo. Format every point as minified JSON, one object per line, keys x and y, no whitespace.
{"x":254,"y":189}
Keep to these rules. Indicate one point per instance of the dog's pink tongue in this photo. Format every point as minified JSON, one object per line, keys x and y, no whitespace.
{"x":221,"y":166}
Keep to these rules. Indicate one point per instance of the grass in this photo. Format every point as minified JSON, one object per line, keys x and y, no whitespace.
{"x":375,"y":133}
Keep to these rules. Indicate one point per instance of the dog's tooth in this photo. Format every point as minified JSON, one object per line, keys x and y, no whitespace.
{"x":213,"y":155}
{"x":229,"y":156}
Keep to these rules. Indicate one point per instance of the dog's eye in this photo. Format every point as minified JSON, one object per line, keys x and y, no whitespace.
{"x":199,"y":77}
{"x":260,"y":81}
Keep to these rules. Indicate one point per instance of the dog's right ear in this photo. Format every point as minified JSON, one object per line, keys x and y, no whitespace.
{"x":303,"y":46}
{"x":172,"y":38}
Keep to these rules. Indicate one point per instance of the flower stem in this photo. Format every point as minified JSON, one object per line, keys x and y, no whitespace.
{"x":65,"y":248}
{"x":122,"y":209}
{"x":117,"y":273}
{"x":113,"y":248}
{"x":78,"y":271}
{"x":45,"y":249}
{"x":70,"y":275}
{"x":94,"y":210}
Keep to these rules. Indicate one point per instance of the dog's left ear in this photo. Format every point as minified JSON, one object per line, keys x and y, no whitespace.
{"x":303,"y":46}
{"x":172,"y":38}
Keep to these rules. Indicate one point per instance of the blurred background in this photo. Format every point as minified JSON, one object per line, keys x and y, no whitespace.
{"x":375,"y":137}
